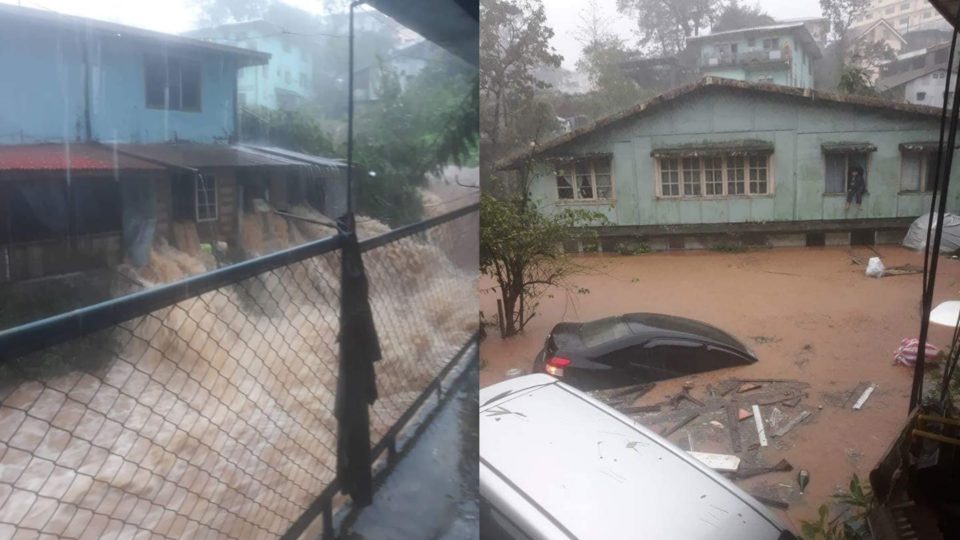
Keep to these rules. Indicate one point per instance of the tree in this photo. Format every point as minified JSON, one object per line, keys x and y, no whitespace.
{"x":514,"y":40}
{"x":734,"y":15}
{"x":214,"y":12}
{"x":842,"y":14}
{"x":602,"y":59}
{"x":520,"y":247}
{"x":664,"y":26}
{"x":856,"y":80}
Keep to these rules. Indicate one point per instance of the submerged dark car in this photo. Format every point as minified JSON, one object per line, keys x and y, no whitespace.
{"x":636,"y":348}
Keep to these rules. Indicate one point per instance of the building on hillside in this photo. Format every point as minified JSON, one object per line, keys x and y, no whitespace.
{"x":880,"y":32}
{"x":286,"y":82}
{"x":904,"y":15}
{"x":723,"y":161}
{"x":918,"y":77}
{"x":114,"y":137}
{"x":779,"y":54}
{"x":406,"y":63}
{"x":922,"y":39}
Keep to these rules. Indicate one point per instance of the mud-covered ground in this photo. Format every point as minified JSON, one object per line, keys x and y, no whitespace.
{"x":810,"y":314}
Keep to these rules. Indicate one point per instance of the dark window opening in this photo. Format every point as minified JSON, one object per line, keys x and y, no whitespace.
{"x":838,"y":168}
{"x":37,"y":210}
{"x":816,"y":239}
{"x":862,"y":238}
{"x":182,"y":201}
{"x":921,"y":96}
{"x":97,"y":206}
{"x":172,"y":84}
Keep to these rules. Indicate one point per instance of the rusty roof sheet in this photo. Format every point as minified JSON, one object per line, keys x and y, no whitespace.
{"x":204,"y":155}
{"x":657,"y":102}
{"x":72,"y":156}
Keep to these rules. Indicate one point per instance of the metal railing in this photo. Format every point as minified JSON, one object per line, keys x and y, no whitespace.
{"x":205,"y":407}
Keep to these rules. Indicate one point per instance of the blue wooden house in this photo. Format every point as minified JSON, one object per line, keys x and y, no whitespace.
{"x":109,"y":134}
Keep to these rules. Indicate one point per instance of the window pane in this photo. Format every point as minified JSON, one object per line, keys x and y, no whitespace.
{"x":173,"y":84}
{"x":691,"y":176}
{"x":836,"y":172}
{"x":584,"y":183}
{"x":564,"y":187}
{"x":735,"y":176}
{"x":183,"y":201}
{"x":758,"y":175}
{"x":190,"y":85}
{"x":669,"y":177}
{"x":155,"y":80}
{"x":910,"y":171}
{"x":713,"y":176}
{"x":604,"y":186}
{"x":930,"y":171}
{"x":602,"y":166}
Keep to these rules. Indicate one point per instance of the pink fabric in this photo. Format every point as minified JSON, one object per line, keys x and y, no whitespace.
{"x":906,"y":354}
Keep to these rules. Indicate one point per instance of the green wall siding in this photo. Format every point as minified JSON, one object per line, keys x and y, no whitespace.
{"x":797,"y":131}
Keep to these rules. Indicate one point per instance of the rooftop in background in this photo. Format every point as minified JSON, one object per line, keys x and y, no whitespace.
{"x":799,"y":30}
{"x":706,"y":83}
{"x":54,"y":19}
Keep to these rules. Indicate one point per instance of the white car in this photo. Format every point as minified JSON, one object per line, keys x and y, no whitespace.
{"x":556,"y":463}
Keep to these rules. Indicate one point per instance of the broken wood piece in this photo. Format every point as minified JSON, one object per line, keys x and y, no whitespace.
{"x":791,"y":424}
{"x":781,"y":466}
{"x":793,"y":402}
{"x":686,"y":420}
{"x":759,"y":421}
{"x":747,"y":387}
{"x":640,"y":409}
{"x":779,"y":400}
{"x":734,"y":428}
{"x":743,"y":414}
{"x":776,"y":503}
{"x":863,"y":397}
{"x":852,"y":396}
{"x":643,"y":387}
{"x":729,"y":386}
{"x":717,"y":462}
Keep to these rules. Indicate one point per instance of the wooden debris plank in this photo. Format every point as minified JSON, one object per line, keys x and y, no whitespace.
{"x":791,"y":424}
{"x":776,"y":503}
{"x":781,"y":466}
{"x":864,"y":397}
{"x":717,"y":462}
{"x":686,"y":420}
{"x":734,"y":427}
{"x":759,"y":421}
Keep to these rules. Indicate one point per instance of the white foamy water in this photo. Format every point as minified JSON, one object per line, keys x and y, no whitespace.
{"x":213,"y":417}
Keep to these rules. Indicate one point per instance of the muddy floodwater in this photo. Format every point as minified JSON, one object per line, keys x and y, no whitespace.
{"x":810,"y":314}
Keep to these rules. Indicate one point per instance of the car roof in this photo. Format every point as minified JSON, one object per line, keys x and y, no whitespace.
{"x":593,"y":473}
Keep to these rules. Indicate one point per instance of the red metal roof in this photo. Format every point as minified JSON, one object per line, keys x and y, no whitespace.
{"x":58,"y":157}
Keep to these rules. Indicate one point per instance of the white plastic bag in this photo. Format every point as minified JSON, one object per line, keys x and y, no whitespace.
{"x":875,"y":267}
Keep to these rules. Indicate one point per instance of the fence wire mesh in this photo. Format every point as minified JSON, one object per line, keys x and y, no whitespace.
{"x":213,"y":417}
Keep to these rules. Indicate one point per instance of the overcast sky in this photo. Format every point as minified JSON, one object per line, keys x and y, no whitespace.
{"x":173,"y":16}
{"x":565,"y":18}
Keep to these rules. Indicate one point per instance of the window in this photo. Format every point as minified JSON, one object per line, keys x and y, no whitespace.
{"x":940,"y":57}
{"x":889,"y":10}
{"x":97,"y":206}
{"x":751,"y":42}
{"x":714,"y":176}
{"x":921,"y":96}
{"x":837,"y":170}
{"x":904,"y":7}
{"x":758,"y":175}
{"x":585,"y":179}
{"x":172,"y":84}
{"x":194,"y":197}
{"x":904,"y":21}
{"x":918,"y":171}
{"x":919,"y":62}
{"x":772,"y":43}
{"x":736,"y":176}
{"x":669,"y":177}
{"x":206,"y":197}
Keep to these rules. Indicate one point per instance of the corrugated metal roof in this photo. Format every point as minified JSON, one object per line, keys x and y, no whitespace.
{"x":76,"y":157}
{"x":198,"y":155}
{"x":298,"y":156}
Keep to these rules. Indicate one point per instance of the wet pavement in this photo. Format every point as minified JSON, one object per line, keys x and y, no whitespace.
{"x":432,"y":493}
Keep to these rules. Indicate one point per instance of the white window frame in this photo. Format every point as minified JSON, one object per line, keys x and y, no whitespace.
{"x":725,"y":161}
{"x":207,"y":179}
{"x":846,"y":172}
{"x":569,"y":170}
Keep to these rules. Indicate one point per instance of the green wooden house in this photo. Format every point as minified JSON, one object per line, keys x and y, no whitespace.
{"x":723,"y":160}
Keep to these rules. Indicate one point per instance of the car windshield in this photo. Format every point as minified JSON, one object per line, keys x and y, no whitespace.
{"x":597,"y":332}
{"x":679,"y":324}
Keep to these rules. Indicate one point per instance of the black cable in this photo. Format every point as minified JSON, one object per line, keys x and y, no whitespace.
{"x":941,"y":189}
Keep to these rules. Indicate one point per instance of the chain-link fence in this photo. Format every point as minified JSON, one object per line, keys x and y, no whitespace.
{"x":204,"y":408}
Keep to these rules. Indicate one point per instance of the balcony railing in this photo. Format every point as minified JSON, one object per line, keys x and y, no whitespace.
{"x":748,"y":57}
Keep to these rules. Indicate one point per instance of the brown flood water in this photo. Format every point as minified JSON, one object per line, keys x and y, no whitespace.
{"x":808,"y":313}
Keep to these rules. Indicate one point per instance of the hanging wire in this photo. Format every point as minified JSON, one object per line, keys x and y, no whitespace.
{"x":938,"y":204}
